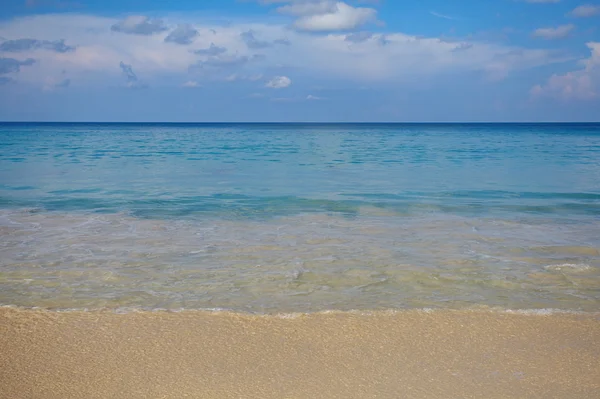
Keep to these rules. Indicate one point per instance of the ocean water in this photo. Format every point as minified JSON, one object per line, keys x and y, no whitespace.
{"x":271,"y":218}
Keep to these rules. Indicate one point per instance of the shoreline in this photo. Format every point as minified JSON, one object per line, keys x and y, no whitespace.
{"x":541,"y":312}
{"x":221,"y":354}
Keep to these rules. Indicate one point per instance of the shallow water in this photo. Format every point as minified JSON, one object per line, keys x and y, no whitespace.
{"x":300,"y":218}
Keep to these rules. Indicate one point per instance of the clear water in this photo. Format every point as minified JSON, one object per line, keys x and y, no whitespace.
{"x":269,"y":218}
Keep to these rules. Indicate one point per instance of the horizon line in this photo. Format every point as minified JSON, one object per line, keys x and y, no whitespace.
{"x":304,"y":123}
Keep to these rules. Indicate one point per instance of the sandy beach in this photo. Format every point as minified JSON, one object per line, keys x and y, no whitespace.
{"x":196,"y":354}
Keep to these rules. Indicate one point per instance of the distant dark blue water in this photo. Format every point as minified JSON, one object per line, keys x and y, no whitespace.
{"x":269,"y":217}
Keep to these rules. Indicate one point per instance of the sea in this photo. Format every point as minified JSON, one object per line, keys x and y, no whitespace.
{"x":280,"y":218}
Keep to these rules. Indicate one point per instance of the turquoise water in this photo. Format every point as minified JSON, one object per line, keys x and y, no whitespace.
{"x":285,"y":217}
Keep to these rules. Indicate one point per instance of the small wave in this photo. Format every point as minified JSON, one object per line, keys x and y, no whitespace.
{"x":537,"y":312}
{"x":569,"y":267}
{"x":296,"y":315}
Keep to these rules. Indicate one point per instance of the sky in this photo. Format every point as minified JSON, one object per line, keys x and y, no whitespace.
{"x":300,"y":60}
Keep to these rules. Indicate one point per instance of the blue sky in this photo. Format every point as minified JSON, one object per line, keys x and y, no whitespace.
{"x":300,"y":60}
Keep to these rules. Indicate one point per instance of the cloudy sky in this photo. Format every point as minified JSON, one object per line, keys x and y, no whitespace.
{"x":300,"y":60}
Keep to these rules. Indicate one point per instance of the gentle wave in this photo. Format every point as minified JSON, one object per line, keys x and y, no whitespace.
{"x":243,"y":206}
{"x":308,"y":262}
{"x":569,"y":267}
{"x":295,"y":315}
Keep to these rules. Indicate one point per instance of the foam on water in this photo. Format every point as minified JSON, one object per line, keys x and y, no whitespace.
{"x":543,"y":312}
{"x":309,"y":262}
{"x":569,"y":267}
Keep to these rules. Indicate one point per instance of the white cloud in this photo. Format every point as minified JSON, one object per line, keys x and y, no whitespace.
{"x":139,"y":25}
{"x":211,"y":50}
{"x":310,"y":97}
{"x":191,"y":84}
{"x":572,"y":85}
{"x":554,"y":33}
{"x":582,"y":84}
{"x":237,"y":77}
{"x":437,"y":14}
{"x":391,"y":57}
{"x":344,"y":17}
{"x":132,"y":80}
{"x":279,"y":82}
{"x":300,"y":9}
{"x":224,"y":61}
{"x":358,"y":37}
{"x":406,"y":56}
{"x":183,"y":34}
{"x":234,"y":77}
{"x":586,"y":10}
{"x":325,"y":15}
{"x":98,"y":50}
{"x":15,"y":46}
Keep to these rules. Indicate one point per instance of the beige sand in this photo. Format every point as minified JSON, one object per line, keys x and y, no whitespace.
{"x":443,"y":354}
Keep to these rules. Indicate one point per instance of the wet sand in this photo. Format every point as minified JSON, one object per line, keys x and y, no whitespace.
{"x":410,"y":354}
